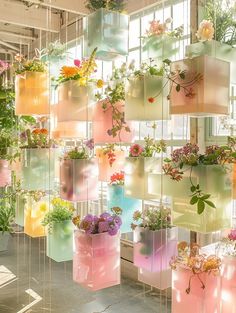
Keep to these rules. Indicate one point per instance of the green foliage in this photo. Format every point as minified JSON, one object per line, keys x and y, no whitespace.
{"x":6,"y":216}
{"x":113,"y":5}
{"x":77,"y":154}
{"x":57,"y":215}
{"x":34,"y":65}
{"x":153,"y":147}
{"x":200,"y":199}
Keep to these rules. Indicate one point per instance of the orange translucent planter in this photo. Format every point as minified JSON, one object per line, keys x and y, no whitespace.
{"x":32,"y":94}
{"x":67,"y":130}
{"x":210,"y":96}
{"x":105,"y":169}
{"x":5,"y":173}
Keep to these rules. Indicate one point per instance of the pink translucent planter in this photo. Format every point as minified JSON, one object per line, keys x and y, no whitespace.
{"x":228,"y":283}
{"x":153,"y":249}
{"x":199,"y":300}
{"x":160,"y":280}
{"x":67,"y":130}
{"x":5,"y":173}
{"x":102,"y":122}
{"x":96,"y":263}
{"x":79,"y":179}
{"x":105,"y":169}
{"x":210,"y":95}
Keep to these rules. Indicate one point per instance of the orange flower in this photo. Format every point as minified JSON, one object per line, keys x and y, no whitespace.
{"x":36,"y":131}
{"x":69,"y":71}
{"x":43,"y":131}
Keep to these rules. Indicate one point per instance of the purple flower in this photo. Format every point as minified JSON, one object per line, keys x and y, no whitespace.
{"x":113,"y":230}
{"x":232,"y":234}
{"x":89,"y":218}
{"x":105,"y":215}
{"x":117,"y":220}
{"x":109,"y":132}
{"x":90,"y":143}
{"x":103,"y":227}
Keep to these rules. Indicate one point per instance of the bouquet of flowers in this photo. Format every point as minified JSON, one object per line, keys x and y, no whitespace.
{"x":117,"y":179}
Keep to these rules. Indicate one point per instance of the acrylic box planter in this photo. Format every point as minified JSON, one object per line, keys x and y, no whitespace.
{"x":32,"y":94}
{"x":160,"y":280}
{"x":210,"y":94}
{"x":20,"y":207}
{"x":60,"y":241}
{"x":5,"y":173}
{"x":215,"y":49}
{"x":4,"y":238}
{"x":159,"y":47}
{"x":214,"y":180}
{"x":153,"y":249}
{"x":75,"y":102}
{"x":69,"y":130}
{"x":34,"y":214}
{"x":105,"y":169}
{"x":117,"y":198}
{"x":109,"y":32}
{"x":137,"y":172}
{"x":102,"y":122}
{"x":96,"y":263}
{"x":199,"y":300}
{"x":228,"y":285}
{"x":79,"y":179}
{"x":139,"y":90}
{"x":39,"y":167}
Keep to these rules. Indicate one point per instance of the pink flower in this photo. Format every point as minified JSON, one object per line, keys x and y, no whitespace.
{"x":232,"y":234}
{"x":205,"y":31}
{"x":77,"y":63}
{"x":135,"y":150}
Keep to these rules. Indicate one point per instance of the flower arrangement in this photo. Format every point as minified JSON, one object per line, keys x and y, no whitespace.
{"x":189,"y":258}
{"x":152,"y":218}
{"x":103,"y":223}
{"x":54,"y":49}
{"x":6,"y":216}
{"x":227,"y":245}
{"x":150,"y":148}
{"x":21,"y":65}
{"x":82,"y":152}
{"x":36,"y":138}
{"x":3,"y":66}
{"x":113,"y":5}
{"x":156,"y":28}
{"x":117,"y":179}
{"x":109,"y":150}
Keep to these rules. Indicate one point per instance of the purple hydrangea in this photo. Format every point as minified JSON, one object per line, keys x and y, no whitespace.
{"x":103,"y":227}
{"x":105,"y":215}
{"x":117,"y":220}
{"x":113,"y":230}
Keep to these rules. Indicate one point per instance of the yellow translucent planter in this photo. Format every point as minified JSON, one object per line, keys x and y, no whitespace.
{"x":32,"y":94}
{"x":210,"y":96}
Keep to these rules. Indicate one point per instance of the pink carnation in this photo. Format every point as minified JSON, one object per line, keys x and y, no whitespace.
{"x":232,"y":234}
{"x":136,"y":150}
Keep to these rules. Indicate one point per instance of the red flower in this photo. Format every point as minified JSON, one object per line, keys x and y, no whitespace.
{"x":77,"y":63}
{"x":151,"y":99}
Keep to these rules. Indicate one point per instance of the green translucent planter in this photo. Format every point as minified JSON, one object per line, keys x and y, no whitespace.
{"x":214,"y":180}
{"x":139,"y":90}
{"x":4,"y":238}
{"x":20,"y":206}
{"x":109,"y":32}
{"x":60,"y":241}
{"x":215,"y":49}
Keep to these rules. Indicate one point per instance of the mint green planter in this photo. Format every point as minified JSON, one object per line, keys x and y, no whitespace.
{"x":4,"y":238}
{"x":60,"y":241}
{"x":215,"y":180}
{"x":215,"y":49}
{"x":20,"y":207}
{"x":109,"y":32}
{"x":138,"y":90}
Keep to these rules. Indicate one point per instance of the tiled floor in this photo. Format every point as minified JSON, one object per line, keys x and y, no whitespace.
{"x":53,"y":289}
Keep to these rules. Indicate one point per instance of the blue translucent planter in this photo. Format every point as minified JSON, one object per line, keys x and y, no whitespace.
{"x":117,"y":198}
{"x":20,"y":206}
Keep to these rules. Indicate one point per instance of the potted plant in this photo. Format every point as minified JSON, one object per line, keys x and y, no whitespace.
{"x":79,"y":175}
{"x":116,"y":198}
{"x":6,"y":141}
{"x":60,"y":230}
{"x":160,"y":42}
{"x":106,"y":28}
{"x":6,"y":220}
{"x":216,"y":34}
{"x":96,"y":263}
{"x":110,"y":161}
{"x":195,"y":280}
{"x":31,"y":87}
{"x":140,"y":164}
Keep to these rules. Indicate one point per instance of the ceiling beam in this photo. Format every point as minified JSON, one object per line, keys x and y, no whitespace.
{"x":5,"y":51}
{"x":12,"y":47}
{"x":23,"y":31}
{"x":18,"y":14}
{"x":14,"y":39}
{"x":16,"y":35}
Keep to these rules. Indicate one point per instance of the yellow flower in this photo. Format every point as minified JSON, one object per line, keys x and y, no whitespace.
{"x":83,"y":81}
{"x":100,"y":83}
{"x":43,"y":207}
{"x":69,"y":71}
{"x":205,"y":31}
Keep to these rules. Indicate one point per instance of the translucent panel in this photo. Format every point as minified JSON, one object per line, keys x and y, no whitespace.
{"x":32,"y":94}
{"x":117,"y":198}
{"x":96,"y":263}
{"x":67,"y":130}
{"x":134,"y":56}
{"x":106,"y":170}
{"x":134,"y":31}
{"x":39,"y":167}
{"x":160,"y":280}
{"x":228,"y":281}
{"x":4,"y":238}
{"x":16,"y":167}
{"x":108,"y":31}
{"x":215,"y":49}
{"x":199,"y":299}
{"x":138,"y":91}
{"x":79,"y":179}
{"x":145,"y":22}
{"x":20,"y":207}
{"x":5,"y":173}
{"x":210,"y":95}
{"x":103,"y":121}
{"x":60,"y":241}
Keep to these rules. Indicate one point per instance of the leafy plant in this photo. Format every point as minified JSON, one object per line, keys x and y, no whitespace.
{"x":109,"y":150}
{"x":35,"y":65}
{"x":37,"y":138}
{"x":54,"y":49}
{"x":150,"y":148}
{"x":113,"y":5}
{"x":6,"y":216}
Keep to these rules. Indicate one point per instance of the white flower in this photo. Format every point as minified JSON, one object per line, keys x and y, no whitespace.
{"x":205,"y":31}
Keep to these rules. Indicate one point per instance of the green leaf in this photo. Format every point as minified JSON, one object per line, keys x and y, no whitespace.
{"x":167,"y":61}
{"x":211,"y":204}
{"x":193,"y":188}
{"x":205,"y":197}
{"x":177,"y":87}
{"x":200,"y":206}
{"x":193,"y":200}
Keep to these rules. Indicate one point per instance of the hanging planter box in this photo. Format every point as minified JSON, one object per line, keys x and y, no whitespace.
{"x":160,"y":280}
{"x":153,"y":249}
{"x":32,"y":94}
{"x":105,"y":169}
{"x":109,"y":32}
{"x":215,"y":49}
{"x":199,"y":299}
{"x":15,"y":166}
{"x":60,"y":241}
{"x":96,"y":263}
{"x":5,"y":173}
{"x":137,"y":172}
{"x":103,"y":122}
{"x":79,"y":179}
{"x":214,"y":180}
{"x":117,"y":198}
{"x":75,"y":102}
{"x":228,"y":285}
{"x":139,"y":90}
{"x":69,"y":130}
{"x":4,"y":238}
{"x":210,"y":95}
{"x":20,"y":207}
{"x":34,"y":214}
{"x":39,"y":167}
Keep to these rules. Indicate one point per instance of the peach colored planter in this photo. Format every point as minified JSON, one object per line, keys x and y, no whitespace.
{"x":105,"y":169}
{"x":32,"y":94}
{"x":228,"y":283}
{"x":160,"y":280}
{"x":67,"y":130}
{"x":5,"y":173}
{"x":102,"y":122}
